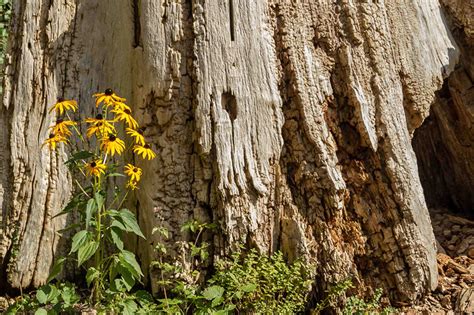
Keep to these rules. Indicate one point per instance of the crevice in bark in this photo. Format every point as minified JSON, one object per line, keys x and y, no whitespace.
{"x":231,"y":20}
{"x":444,"y":144}
{"x":137,"y":37}
{"x":9,"y":228}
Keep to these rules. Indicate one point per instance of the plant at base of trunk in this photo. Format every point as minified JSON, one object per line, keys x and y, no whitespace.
{"x":98,"y":245}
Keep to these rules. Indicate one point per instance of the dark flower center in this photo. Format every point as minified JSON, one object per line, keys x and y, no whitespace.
{"x":99,"y":116}
{"x":127,"y":111}
{"x":112,"y":138}
{"x":146,"y":146}
{"x":59,"y":120}
{"x":60,"y":99}
{"x":99,"y":124}
{"x":135,"y":170}
{"x":109,"y":92}
{"x":141,"y":130}
{"x":51,"y":135}
{"x":93,"y":164}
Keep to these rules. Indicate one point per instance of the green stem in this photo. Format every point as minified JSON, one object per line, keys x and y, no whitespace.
{"x":75,"y":128}
{"x":98,"y":253}
{"x":82,"y":189}
{"x":123,"y":200}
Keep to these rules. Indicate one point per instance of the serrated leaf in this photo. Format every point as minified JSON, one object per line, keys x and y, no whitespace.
{"x":69,"y":227}
{"x":127,"y":260}
{"x":86,"y":251}
{"x":42,"y":295}
{"x":57,"y":267}
{"x":118,"y":224}
{"x":91,"y":275}
{"x":116,"y":235}
{"x":130,"y":222}
{"x":90,"y":210}
{"x":129,"y":307}
{"x":41,"y":311}
{"x":128,"y":279}
{"x":71,"y":205}
{"x":81,"y":155}
{"x":78,"y":240}
{"x":213,"y":292}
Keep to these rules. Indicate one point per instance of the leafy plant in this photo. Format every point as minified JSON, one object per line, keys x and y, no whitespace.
{"x":356,"y":305}
{"x":246,"y":282}
{"x":255,"y":282}
{"x":49,"y":299}
{"x":98,"y":245}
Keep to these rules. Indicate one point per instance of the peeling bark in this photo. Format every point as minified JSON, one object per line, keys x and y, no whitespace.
{"x":287,"y":123}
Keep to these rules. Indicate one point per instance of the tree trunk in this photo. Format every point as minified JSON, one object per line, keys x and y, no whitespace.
{"x":288,"y":123}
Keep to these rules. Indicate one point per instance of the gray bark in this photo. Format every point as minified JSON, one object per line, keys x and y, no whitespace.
{"x":288,"y":123}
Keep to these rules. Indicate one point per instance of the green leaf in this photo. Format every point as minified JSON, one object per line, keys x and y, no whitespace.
{"x":46,"y":294}
{"x":127,"y":260}
{"x":69,"y":227}
{"x":72,"y":204}
{"x":78,"y":240}
{"x":115,"y":175}
{"x":170,"y":301}
{"x":128,"y":279}
{"x":57,"y":267}
{"x":119,"y":224}
{"x":99,"y":199}
{"x":162,"y":230}
{"x":69,"y":295}
{"x":81,"y":155}
{"x":130,"y":222}
{"x":116,"y":235}
{"x":90,"y":210}
{"x":190,"y":225}
{"x":42,"y":295}
{"x":144,"y":297}
{"x":129,"y":307}
{"x":41,"y":311}
{"x":217,"y":301}
{"x":91,"y":275}
{"x":86,"y":251}
{"x":213,"y":292}
{"x":248,"y":288}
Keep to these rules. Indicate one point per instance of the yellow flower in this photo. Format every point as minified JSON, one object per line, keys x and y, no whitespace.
{"x":53,"y":140}
{"x":121,"y":106}
{"x":95,"y":168}
{"x":132,"y":185}
{"x":108,"y":98}
{"x":134,"y":172}
{"x":125,"y":115}
{"x":63,"y":105}
{"x":99,"y":127}
{"x":62,"y":127}
{"x":145,"y":151}
{"x":111,"y":145}
{"x":137,"y":135}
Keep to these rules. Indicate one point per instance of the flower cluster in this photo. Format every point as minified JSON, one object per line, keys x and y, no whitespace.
{"x":104,"y":129}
